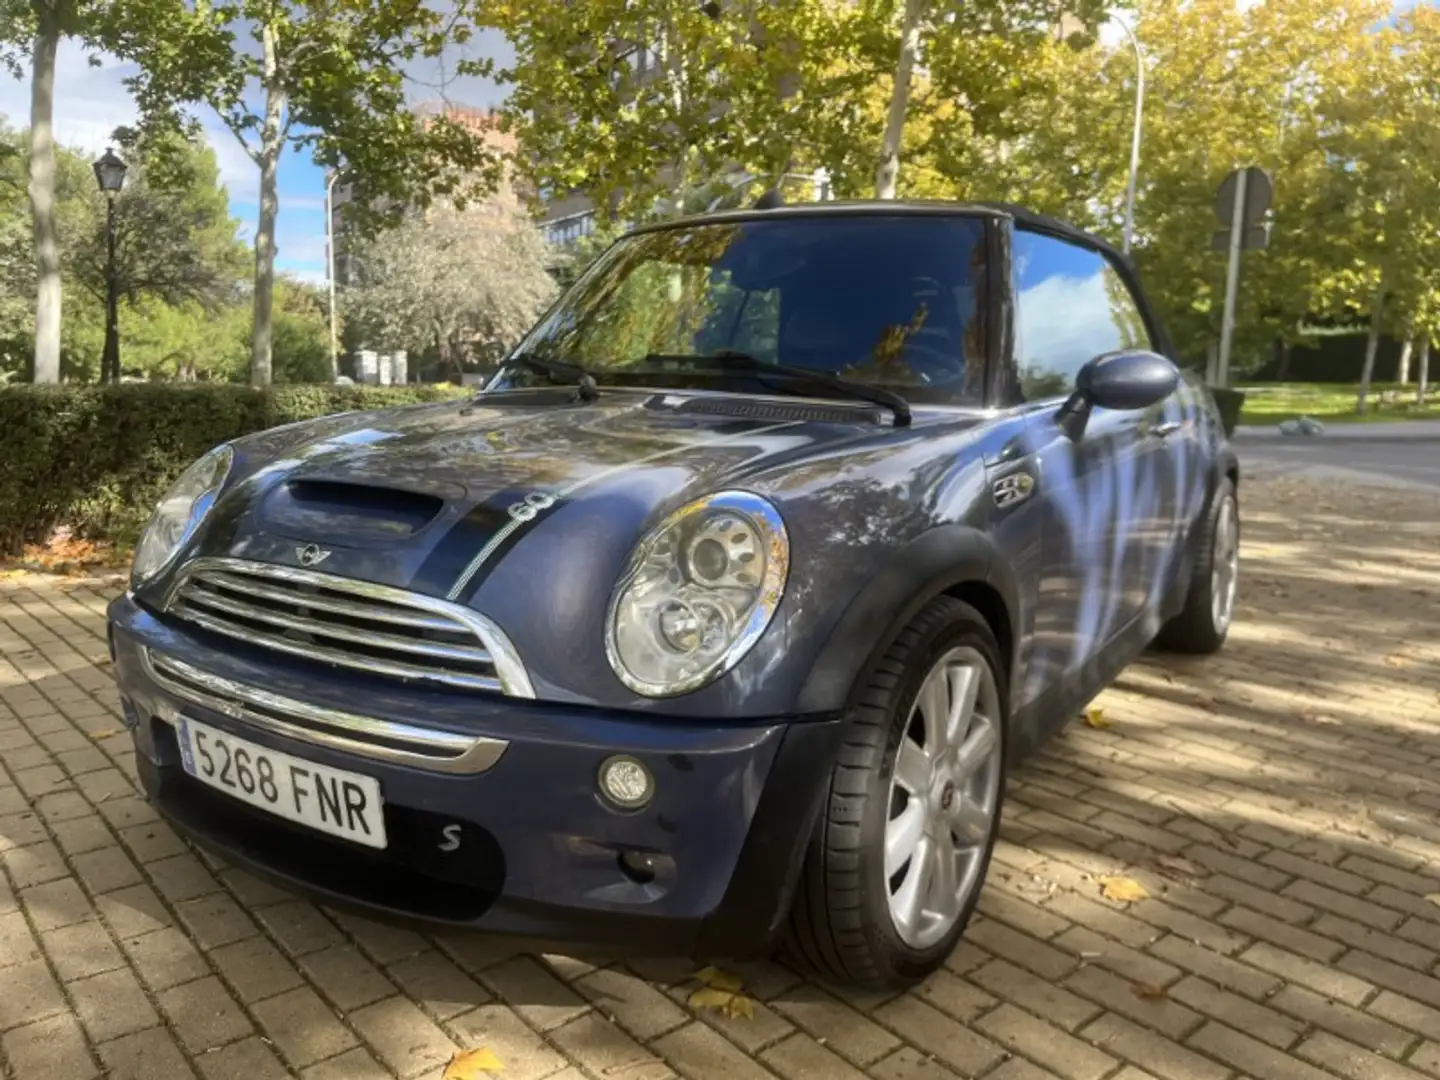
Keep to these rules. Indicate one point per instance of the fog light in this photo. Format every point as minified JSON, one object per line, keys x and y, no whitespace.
{"x":639,"y":866}
{"x":626,"y":782}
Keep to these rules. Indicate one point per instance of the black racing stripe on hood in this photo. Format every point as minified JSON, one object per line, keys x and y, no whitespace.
{"x":507,"y":508}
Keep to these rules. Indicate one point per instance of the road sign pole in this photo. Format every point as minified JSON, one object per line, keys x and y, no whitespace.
{"x":1232,"y":279}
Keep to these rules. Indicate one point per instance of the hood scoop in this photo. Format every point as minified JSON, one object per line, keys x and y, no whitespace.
{"x":354,"y":515}
{"x":782,"y":411}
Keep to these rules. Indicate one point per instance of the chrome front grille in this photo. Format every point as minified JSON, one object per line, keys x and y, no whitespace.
{"x":384,"y":740}
{"x":348,"y":624}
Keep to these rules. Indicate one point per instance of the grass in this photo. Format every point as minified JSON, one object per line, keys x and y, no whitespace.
{"x":1267,"y":404}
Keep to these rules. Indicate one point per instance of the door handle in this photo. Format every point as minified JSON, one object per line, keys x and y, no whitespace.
{"x":1164,"y":431}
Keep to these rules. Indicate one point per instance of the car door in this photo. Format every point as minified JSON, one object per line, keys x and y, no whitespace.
{"x":1097,"y":510}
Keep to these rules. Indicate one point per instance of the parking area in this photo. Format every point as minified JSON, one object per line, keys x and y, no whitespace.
{"x":1274,"y":813}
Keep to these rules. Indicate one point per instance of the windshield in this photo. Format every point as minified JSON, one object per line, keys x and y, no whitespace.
{"x":889,"y":300}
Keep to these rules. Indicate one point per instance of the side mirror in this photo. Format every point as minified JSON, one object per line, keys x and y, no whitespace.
{"x":1134,"y":379}
{"x":1124,"y":381}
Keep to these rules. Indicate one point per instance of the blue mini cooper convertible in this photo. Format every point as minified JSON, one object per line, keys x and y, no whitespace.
{"x":714,"y":623}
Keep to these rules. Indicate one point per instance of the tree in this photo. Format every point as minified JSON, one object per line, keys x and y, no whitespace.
{"x":467,"y":281}
{"x":639,"y":103}
{"x":321,"y":75}
{"x":176,"y":243}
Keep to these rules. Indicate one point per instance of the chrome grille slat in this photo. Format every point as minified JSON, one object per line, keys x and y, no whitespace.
{"x":204,"y":597}
{"x":379,"y":613}
{"x":347,"y":623}
{"x":384,"y":740}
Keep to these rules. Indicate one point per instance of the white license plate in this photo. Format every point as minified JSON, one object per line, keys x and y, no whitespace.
{"x":334,"y":801}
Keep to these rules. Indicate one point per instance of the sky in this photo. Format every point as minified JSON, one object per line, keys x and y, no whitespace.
{"x":91,"y":102}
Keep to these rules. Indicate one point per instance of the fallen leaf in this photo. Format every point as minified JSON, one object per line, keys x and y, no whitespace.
{"x":1434,"y":898}
{"x":719,"y":980}
{"x":1095,"y":718}
{"x":1122,"y":889}
{"x":1179,"y":865}
{"x":1148,"y":992}
{"x":735,"y":1005}
{"x":1396,"y":661}
{"x":107,"y":733}
{"x":473,"y":1065}
{"x":6,"y":575}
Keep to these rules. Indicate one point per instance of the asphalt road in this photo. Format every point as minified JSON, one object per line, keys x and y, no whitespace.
{"x":1408,"y":464}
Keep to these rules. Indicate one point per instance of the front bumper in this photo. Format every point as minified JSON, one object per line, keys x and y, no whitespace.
{"x":541,"y":861}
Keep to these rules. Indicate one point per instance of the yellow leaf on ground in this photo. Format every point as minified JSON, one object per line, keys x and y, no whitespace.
{"x":1434,"y":898}
{"x":1095,"y":717}
{"x":474,"y":1064}
{"x":1148,"y":992}
{"x":719,"y":980}
{"x":5,"y":575}
{"x":735,"y":1005}
{"x":1122,"y":889}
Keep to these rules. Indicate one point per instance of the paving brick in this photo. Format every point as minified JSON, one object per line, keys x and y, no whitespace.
{"x":1129,"y":963}
{"x":248,"y":1060}
{"x":1361,"y":910}
{"x":346,"y":977}
{"x":700,"y":1053}
{"x":1392,"y":948}
{"x":34,"y":864}
{"x":935,"y":1033}
{"x":440,"y":987}
{"x":30,"y":993}
{"x":539,"y":997}
{"x":1058,"y":1005}
{"x":1020,"y":949}
{"x":17,"y":943}
{"x":51,"y":1049}
{"x":152,"y":842}
{"x":606,"y":1050}
{"x":1218,"y":969}
{"x":355,"y":1064}
{"x":1260,"y":1021}
{"x":384,"y":944}
{"x":255,"y":969}
{"x":405,"y":1038}
{"x":56,"y":904}
{"x":299,"y":927}
{"x":1281,"y":934}
{"x":215,"y":920}
{"x":1134,"y":1000}
{"x":645,"y":1012}
{"x":182,"y":877}
{"x":146,"y":1055}
{"x":1352,"y":1061}
{"x":81,"y":950}
{"x":1117,"y":1036}
{"x":1063,"y":1054}
{"x":82,"y":834}
{"x":164,"y":958}
{"x":106,"y":870}
{"x":1251,"y":1056}
{"x":1392,"y":977}
{"x":111,"y":1005}
{"x":303,"y":1027}
{"x":1404,"y":1012}
{"x":907,"y":1063}
{"x":134,"y":911}
{"x":954,"y":997}
{"x":1194,"y":928}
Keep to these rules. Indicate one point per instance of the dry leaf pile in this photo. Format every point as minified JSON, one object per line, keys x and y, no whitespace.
{"x":723,"y":992}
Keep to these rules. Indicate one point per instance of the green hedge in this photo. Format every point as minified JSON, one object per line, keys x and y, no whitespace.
{"x":97,"y":458}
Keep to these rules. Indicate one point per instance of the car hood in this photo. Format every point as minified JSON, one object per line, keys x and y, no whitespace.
{"x":432,"y":498}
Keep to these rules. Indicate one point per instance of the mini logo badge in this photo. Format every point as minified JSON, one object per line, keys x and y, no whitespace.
{"x":311,"y":555}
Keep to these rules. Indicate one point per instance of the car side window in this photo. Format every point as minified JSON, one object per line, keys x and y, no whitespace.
{"x":1070,"y":307}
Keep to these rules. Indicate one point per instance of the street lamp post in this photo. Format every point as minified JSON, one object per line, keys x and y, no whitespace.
{"x":1135,"y":137}
{"x":330,"y":270}
{"x":110,"y":175}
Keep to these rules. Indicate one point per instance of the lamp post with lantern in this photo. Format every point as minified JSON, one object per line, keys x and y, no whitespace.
{"x":110,"y":175}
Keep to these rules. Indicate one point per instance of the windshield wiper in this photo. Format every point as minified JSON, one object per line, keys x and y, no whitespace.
{"x":849,"y":388}
{"x":559,"y":371}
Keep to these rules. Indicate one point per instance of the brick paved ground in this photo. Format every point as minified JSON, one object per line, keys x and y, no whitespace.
{"x":1282,"y":805}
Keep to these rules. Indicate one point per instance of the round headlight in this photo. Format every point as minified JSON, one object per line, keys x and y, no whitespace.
{"x":699,"y":591}
{"x":180,"y":513}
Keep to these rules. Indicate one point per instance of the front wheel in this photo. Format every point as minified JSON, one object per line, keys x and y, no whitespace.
{"x":900,"y":854}
{"x":1204,"y":622}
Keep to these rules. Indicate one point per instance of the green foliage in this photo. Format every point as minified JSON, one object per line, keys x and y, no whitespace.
{"x":323,"y":76}
{"x":98,"y":458}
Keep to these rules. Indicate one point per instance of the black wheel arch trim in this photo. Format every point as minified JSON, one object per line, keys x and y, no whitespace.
{"x":938,"y":561}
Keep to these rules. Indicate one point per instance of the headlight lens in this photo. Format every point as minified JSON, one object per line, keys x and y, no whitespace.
{"x":700,"y":590}
{"x":180,"y":513}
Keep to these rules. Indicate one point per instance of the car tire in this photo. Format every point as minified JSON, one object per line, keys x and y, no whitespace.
{"x":844,"y":924}
{"x":1204,"y":622}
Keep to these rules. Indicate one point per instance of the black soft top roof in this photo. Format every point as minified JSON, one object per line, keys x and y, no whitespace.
{"x":920,"y":208}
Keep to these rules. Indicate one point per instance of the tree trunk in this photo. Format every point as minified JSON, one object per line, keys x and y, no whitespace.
{"x":888,"y":175}
{"x":42,"y":198}
{"x":1421,"y":383}
{"x":1372,"y":346}
{"x":270,"y":147}
{"x":1403,"y":374}
{"x":1283,"y":371}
